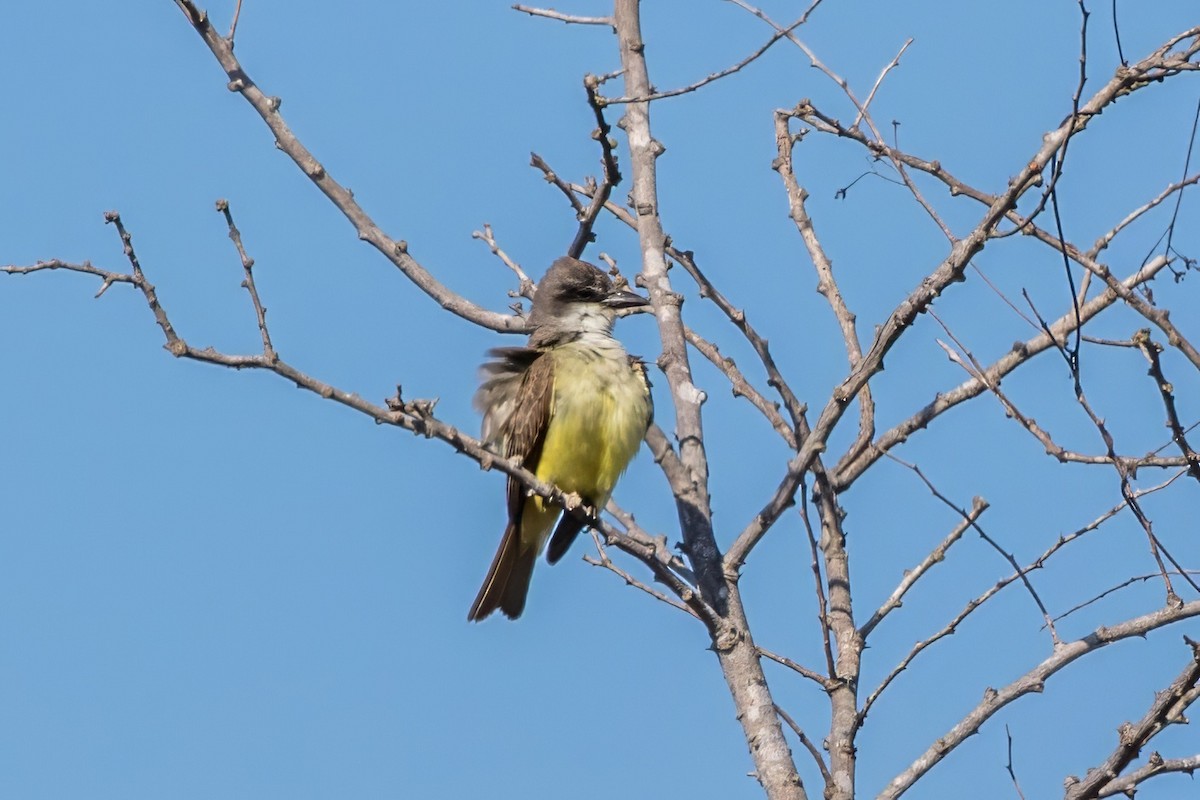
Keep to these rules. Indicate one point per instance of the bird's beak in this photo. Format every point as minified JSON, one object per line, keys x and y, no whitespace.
{"x":625,"y":299}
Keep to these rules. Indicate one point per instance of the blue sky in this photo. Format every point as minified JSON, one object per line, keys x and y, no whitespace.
{"x":215,"y":585}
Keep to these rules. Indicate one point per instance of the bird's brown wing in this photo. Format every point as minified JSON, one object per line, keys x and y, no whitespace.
{"x":525,"y":431}
{"x":500,"y":383}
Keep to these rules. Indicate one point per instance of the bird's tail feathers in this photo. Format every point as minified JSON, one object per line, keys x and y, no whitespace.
{"x":507,"y":582}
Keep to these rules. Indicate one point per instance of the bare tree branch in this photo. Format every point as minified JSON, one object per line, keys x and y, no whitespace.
{"x":975,"y":603}
{"x":570,"y":19}
{"x":1034,"y":681}
{"x":1156,"y":765}
{"x":936,"y":556}
{"x":808,"y":745}
{"x":1151,"y":350}
{"x":716,"y":76}
{"x":395,"y":251}
{"x":247,"y":266}
{"x":1167,"y":708}
{"x":775,"y":768}
{"x":852,"y":466}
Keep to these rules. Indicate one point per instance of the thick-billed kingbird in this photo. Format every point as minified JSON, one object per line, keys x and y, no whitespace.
{"x":573,"y":406}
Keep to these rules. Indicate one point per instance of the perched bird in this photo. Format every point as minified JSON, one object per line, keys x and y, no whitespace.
{"x":573,"y":406}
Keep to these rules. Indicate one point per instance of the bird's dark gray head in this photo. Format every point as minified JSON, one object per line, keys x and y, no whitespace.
{"x":577,"y":297}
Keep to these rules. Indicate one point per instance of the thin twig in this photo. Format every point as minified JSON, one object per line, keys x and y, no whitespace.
{"x":611,"y":174}
{"x":570,"y":19}
{"x":1122,"y":585}
{"x":808,"y":744}
{"x":1012,"y":773}
{"x":604,"y":561}
{"x":488,"y":237}
{"x":936,"y":556}
{"x":895,"y":62}
{"x":814,"y":551}
{"x":742,"y":387}
{"x":975,"y":603}
{"x":248,"y":283}
{"x":237,"y":13}
{"x":864,"y":115}
{"x":800,"y":669}
{"x":1151,"y":350}
{"x":849,"y":469}
{"x":972,"y":518}
{"x":716,"y":76}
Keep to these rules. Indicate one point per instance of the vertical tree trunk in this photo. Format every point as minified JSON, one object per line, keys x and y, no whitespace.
{"x":774,"y":765}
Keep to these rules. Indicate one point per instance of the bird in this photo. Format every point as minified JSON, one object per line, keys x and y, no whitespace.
{"x":572,"y":406}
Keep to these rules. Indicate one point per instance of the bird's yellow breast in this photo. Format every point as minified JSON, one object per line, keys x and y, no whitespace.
{"x":600,"y":411}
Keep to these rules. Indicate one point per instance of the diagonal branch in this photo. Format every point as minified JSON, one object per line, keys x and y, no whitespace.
{"x":1033,"y":681}
{"x":1151,"y":350}
{"x":611,"y":174}
{"x":716,"y":76}
{"x":570,"y":19}
{"x":1167,"y":708}
{"x":851,"y":467}
{"x":827,"y":285}
{"x":936,"y":556}
{"x":975,"y":603}
{"x":342,"y":198}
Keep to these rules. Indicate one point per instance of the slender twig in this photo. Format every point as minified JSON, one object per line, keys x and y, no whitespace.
{"x":488,"y":237}
{"x":611,"y":174}
{"x":863,"y":114}
{"x":607,"y":563}
{"x":1187,"y":163}
{"x":972,"y":519}
{"x":1133,"y":216}
{"x":570,"y":19}
{"x":799,"y":669}
{"x":716,"y":76}
{"x":895,"y":62}
{"x":109,"y":278}
{"x":1113,"y":590}
{"x":849,"y":469}
{"x":1151,"y":350}
{"x":936,"y":556}
{"x":742,"y":387}
{"x":1044,"y":437}
{"x":237,"y":13}
{"x":808,"y":745}
{"x":814,"y":552}
{"x":827,"y":285}
{"x":1117,"y":34}
{"x":977,"y":602}
{"x":260,"y":312}
{"x":1012,"y":773}
{"x":551,"y":176}
{"x":1125,"y":475}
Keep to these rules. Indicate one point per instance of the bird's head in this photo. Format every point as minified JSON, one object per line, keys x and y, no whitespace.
{"x":576,"y":297}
